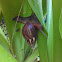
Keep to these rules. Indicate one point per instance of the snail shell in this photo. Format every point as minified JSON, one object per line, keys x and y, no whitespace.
{"x":30,"y":34}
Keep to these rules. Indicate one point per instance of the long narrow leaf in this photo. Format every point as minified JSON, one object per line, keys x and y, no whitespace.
{"x":50,"y":31}
{"x":57,"y":6}
{"x":3,"y":40}
{"x":42,"y":46}
{"x":5,"y":56}
{"x":60,"y":24}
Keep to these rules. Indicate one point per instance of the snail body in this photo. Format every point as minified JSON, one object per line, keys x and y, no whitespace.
{"x":30,"y":29}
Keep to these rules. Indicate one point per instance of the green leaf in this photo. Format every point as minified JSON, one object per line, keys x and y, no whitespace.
{"x":3,"y":40}
{"x":10,"y":9}
{"x":60,"y":23}
{"x":42,"y":46}
{"x":5,"y":56}
{"x":18,"y":45}
{"x":44,"y":6}
{"x":50,"y":31}
{"x":57,"y":6}
{"x":33,"y":56}
{"x":26,"y":9}
{"x":0,"y":8}
{"x":28,"y":50}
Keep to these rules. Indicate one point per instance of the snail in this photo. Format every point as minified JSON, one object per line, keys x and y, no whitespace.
{"x":30,"y":29}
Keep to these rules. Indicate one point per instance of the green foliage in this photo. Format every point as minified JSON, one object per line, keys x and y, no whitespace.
{"x":42,"y":46}
{"x":60,"y":24}
{"x":32,"y":57}
{"x":50,"y":31}
{"x":57,"y":6}
{"x":10,"y":9}
{"x":0,"y":9}
{"x":49,"y":49}
{"x":5,"y":56}
{"x":3,"y":40}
